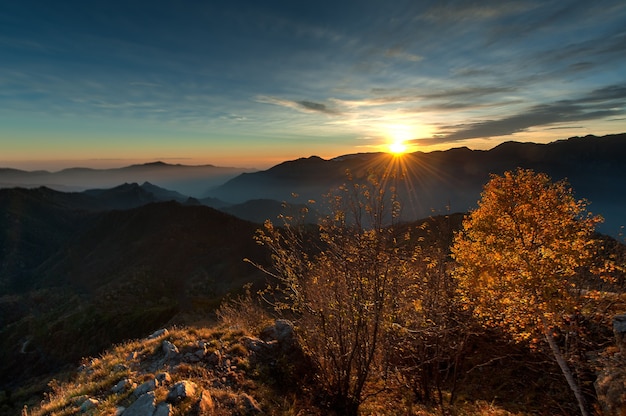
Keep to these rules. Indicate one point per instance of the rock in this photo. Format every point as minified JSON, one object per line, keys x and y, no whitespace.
{"x":163,"y":378}
{"x":169,"y":349}
{"x":191,"y":358}
{"x":119,"y":368}
{"x":144,"y":388}
{"x":251,"y":406}
{"x":619,"y":329}
{"x":255,"y":344}
{"x":122,"y":385}
{"x":214,"y":358}
{"x":281,"y":335}
{"x":158,"y":333}
{"x":610,"y":383}
{"x":119,"y":410}
{"x":181,"y":391}
{"x":610,"y":386}
{"x":78,"y":400}
{"x":282,"y":331}
{"x":205,"y":405}
{"x":88,"y":405}
{"x":163,"y":409}
{"x":143,"y":406}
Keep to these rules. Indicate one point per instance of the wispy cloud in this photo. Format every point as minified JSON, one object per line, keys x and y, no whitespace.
{"x":597,"y":104}
{"x":303,"y":105}
{"x":400,"y":53}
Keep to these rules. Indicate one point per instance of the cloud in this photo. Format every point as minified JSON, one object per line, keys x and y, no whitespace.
{"x":414,"y":96}
{"x":400,"y":53}
{"x":598,"y":104}
{"x":304,"y":106}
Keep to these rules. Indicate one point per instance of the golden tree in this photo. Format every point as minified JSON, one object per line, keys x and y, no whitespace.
{"x":518,"y":255}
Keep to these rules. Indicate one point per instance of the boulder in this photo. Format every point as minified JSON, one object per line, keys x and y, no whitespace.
{"x":619,"y":329}
{"x":251,"y":406}
{"x":181,"y":391}
{"x":144,"y":388}
{"x":610,"y":383}
{"x":158,"y":333}
{"x":88,"y":405}
{"x":205,"y":405}
{"x":169,"y":349}
{"x":282,"y":331}
{"x":122,"y":385}
{"x":143,"y":406}
{"x":610,"y":386}
{"x":163,"y":409}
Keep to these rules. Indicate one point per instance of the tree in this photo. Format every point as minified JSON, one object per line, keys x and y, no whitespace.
{"x":342,"y":283}
{"x":519,"y":253}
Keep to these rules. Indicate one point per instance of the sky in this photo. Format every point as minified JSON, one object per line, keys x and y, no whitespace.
{"x":254,"y":83}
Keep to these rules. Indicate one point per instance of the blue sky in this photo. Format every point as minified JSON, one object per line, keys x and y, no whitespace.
{"x":253,"y":83}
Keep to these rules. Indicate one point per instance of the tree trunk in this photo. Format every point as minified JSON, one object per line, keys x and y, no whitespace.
{"x":567,"y":372}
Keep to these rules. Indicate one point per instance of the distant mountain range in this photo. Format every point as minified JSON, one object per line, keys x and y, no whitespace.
{"x":453,"y":179}
{"x":434,"y":182}
{"x":189,"y":180}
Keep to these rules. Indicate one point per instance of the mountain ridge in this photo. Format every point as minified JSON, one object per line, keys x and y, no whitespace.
{"x":451,"y":179}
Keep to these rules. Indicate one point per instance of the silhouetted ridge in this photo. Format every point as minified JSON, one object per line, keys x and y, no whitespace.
{"x":453,"y":179}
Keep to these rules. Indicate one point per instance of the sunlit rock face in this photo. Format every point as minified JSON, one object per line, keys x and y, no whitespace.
{"x":612,"y":378}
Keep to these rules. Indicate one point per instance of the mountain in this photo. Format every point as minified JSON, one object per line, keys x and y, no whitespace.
{"x":188,"y":180}
{"x":75,"y":279}
{"x":452,"y":179}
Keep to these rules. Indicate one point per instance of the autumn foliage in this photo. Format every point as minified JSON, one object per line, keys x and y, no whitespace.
{"x":519,"y":253}
{"x":379,"y":303}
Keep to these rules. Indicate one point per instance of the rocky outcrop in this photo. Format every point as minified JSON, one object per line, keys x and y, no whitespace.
{"x":143,"y":406}
{"x":180,"y":391}
{"x":610,"y":384}
{"x":186,"y":371}
{"x":619,"y":329}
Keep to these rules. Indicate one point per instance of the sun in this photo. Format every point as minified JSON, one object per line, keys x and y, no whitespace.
{"x":398,"y":137}
{"x":397,"y":147}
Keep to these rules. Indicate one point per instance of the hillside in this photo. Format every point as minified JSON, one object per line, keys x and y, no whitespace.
{"x":92,"y":279}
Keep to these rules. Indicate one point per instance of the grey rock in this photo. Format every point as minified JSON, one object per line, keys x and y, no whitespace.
{"x":88,"y":405}
{"x":158,"y":333}
{"x":143,"y":406}
{"x":122,"y":385}
{"x":169,"y":349}
{"x":191,"y":358}
{"x":119,"y":367}
{"x":78,"y":400}
{"x":163,"y":409}
{"x":144,"y":388}
{"x":181,"y":391}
